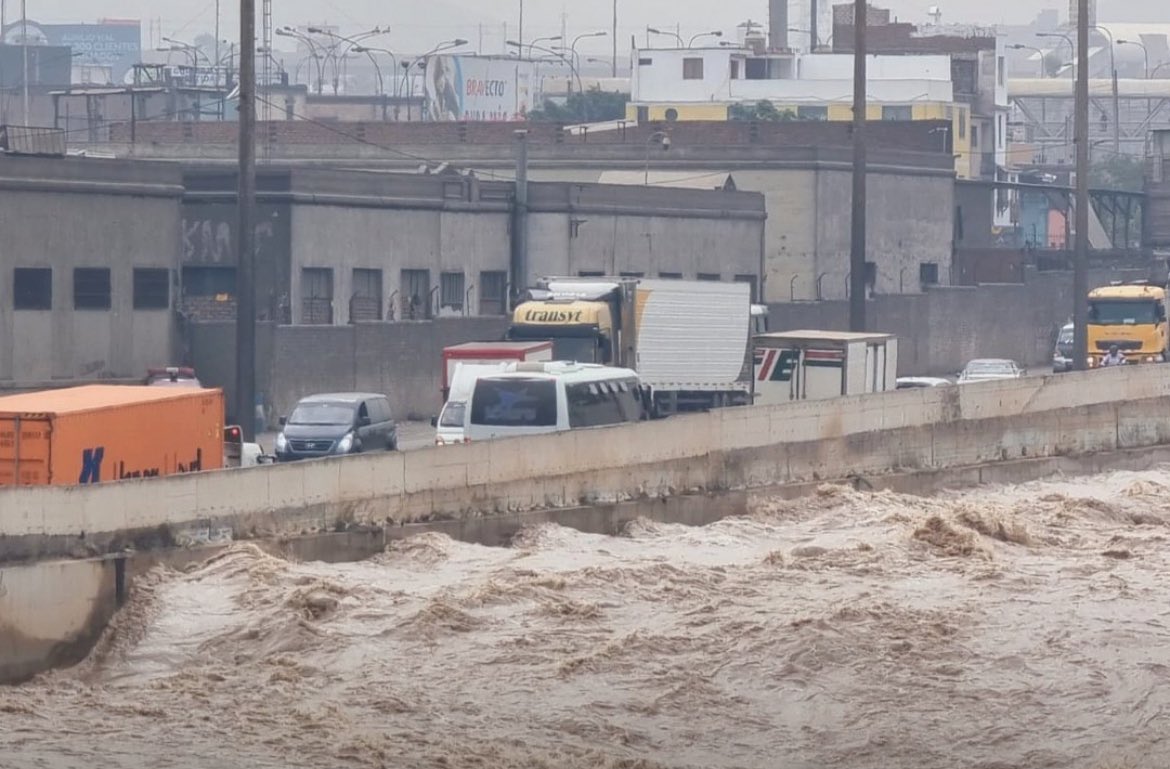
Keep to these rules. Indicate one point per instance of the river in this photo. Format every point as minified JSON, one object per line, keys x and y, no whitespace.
{"x":1022,"y":626}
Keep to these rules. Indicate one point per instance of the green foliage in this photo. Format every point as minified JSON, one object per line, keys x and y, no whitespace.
{"x":595,"y":105}
{"x":1118,"y":172}
{"x":762,"y":111}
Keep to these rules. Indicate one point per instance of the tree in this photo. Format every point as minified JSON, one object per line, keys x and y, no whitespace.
{"x":594,"y":105}
{"x":1118,"y":172}
{"x":762,"y":111}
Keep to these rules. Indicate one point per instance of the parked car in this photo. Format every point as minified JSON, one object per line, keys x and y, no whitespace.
{"x":1062,"y":355}
{"x":990,"y":369}
{"x":337,"y":423}
{"x":914,"y":382}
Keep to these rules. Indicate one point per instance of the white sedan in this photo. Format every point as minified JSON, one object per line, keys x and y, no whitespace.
{"x":914,"y":382}
{"x":990,"y":369}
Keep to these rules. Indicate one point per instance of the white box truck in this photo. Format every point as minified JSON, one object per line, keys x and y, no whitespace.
{"x":689,"y":341}
{"x":810,"y":365}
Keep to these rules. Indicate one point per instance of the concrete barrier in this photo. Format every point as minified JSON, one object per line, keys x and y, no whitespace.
{"x":733,"y":448}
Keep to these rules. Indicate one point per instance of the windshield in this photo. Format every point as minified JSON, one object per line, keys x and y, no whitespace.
{"x":988,"y":369}
{"x":578,"y":349}
{"x":453,"y":413}
{"x":322,"y":414}
{"x":1120,"y":313}
{"x":515,"y":403}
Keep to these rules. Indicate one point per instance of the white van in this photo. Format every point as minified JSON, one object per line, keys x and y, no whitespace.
{"x":451,"y":424}
{"x":535,"y":398}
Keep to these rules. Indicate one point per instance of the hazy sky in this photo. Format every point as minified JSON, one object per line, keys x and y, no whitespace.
{"x":418,"y":24}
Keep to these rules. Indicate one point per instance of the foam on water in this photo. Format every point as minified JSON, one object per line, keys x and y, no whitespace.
{"x":1021,"y":626}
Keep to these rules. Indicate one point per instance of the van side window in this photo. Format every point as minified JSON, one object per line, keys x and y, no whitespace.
{"x":598,"y":404}
{"x":364,"y":413}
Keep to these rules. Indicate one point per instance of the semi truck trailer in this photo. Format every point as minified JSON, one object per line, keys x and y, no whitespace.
{"x":689,"y":341}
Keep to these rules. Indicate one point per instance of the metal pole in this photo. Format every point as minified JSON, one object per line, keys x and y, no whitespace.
{"x":614,"y":73}
{"x":217,"y":55}
{"x":857,"y":240}
{"x":1080,"y":259}
{"x":520,"y":33}
{"x":246,"y":228}
{"x":812,"y":26}
{"x":24,"y":57}
{"x":520,"y":233}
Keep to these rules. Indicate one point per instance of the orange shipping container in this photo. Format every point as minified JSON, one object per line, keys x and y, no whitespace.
{"x":98,"y":433}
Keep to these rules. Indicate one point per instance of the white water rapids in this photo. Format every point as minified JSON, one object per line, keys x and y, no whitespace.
{"x":1016,"y":627}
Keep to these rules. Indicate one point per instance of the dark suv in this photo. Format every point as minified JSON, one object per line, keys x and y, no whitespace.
{"x":335,"y":424}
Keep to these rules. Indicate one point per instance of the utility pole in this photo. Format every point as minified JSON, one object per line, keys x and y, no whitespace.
{"x":246,"y":228}
{"x":520,"y":32}
{"x":857,"y":239}
{"x":1080,"y":260}
{"x":614,"y":73}
{"x":24,"y":57}
{"x":520,"y":216}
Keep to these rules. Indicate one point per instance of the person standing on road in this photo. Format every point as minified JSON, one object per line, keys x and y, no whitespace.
{"x":1114,"y":357}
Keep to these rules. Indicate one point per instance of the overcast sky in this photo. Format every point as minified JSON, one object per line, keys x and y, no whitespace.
{"x":419,"y":24}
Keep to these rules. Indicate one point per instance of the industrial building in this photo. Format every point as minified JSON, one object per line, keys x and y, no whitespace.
{"x":111,"y":262}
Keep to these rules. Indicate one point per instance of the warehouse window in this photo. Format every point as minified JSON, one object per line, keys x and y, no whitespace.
{"x":928,"y":273}
{"x":317,"y":296}
{"x":366,"y":302}
{"x":91,"y":288}
{"x":812,"y":113}
{"x":897,"y":112}
{"x":451,"y":291}
{"x":152,"y":288}
{"x":32,"y":288}
{"x":416,"y":294}
{"x":493,"y":290}
{"x":670,"y":275}
{"x":632,"y":274}
{"x":712,"y":276}
{"x":692,"y":69}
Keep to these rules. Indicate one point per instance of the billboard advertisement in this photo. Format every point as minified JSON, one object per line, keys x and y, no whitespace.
{"x":113,"y":44}
{"x":478,"y":88}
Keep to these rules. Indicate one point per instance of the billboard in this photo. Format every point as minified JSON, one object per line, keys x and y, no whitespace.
{"x":478,"y":88}
{"x":113,"y":44}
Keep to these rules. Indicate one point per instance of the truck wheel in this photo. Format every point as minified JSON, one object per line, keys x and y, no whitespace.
{"x":392,"y":444}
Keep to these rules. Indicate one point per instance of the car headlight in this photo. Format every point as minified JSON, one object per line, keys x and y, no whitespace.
{"x":281,"y":442}
{"x":345,"y":444}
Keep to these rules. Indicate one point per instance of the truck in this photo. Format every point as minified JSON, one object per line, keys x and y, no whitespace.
{"x":98,"y":433}
{"x":1131,"y":316}
{"x":489,"y":352}
{"x":812,"y":364}
{"x":689,"y":341}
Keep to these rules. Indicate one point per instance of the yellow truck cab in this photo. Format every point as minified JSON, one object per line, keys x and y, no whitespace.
{"x":1131,"y":316}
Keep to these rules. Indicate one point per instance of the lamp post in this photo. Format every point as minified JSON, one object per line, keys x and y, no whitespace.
{"x":532,"y":45}
{"x":675,"y":35}
{"x":573,"y":52}
{"x":446,"y":45}
{"x":1116,"y":99}
{"x":1072,"y":48}
{"x":1145,"y":54}
{"x":294,"y":33}
{"x":560,"y":55}
{"x":713,"y":33}
{"x":368,"y":50}
{"x":340,"y":40}
{"x":662,"y":138}
{"x":1021,"y":47}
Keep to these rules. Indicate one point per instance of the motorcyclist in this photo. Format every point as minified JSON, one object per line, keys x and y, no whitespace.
{"x":1114,"y":357}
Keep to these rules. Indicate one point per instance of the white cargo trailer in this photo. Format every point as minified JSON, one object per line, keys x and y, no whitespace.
{"x":808,"y":365}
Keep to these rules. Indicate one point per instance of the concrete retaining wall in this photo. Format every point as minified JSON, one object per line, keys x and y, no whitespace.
{"x":732,"y":448}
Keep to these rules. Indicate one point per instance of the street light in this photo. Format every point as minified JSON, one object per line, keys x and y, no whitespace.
{"x":1072,"y":48}
{"x":1145,"y":53}
{"x":1116,"y":100}
{"x":313,"y":52}
{"x":662,"y":138}
{"x":1021,"y":47}
{"x":713,"y":33}
{"x":675,"y":35}
{"x":573,"y":51}
{"x":408,"y":65}
{"x":393,"y":63}
{"x":532,"y":45}
{"x":340,"y":40}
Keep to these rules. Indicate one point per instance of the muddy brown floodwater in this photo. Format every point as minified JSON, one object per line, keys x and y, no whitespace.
{"x":1016,"y":627}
